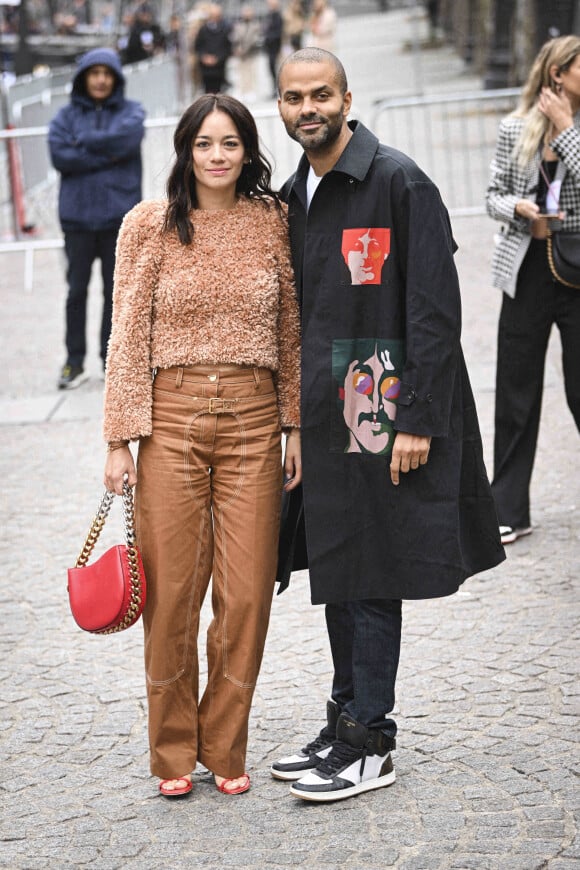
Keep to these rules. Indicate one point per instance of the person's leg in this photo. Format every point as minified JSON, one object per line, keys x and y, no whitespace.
{"x":81,"y":250}
{"x":107,"y":243}
{"x":568,"y":320}
{"x":246,"y":484}
{"x":376,"y":646}
{"x":524,"y":329}
{"x":174,"y":532}
{"x":360,"y":758}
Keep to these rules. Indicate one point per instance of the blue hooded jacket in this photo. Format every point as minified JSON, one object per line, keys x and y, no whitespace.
{"x":97,"y":149}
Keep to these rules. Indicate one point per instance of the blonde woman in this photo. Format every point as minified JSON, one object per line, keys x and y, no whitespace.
{"x":535,"y":172}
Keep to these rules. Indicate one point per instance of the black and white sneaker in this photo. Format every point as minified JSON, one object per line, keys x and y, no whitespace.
{"x":71,"y":377}
{"x":360,"y":760}
{"x":295,"y":766}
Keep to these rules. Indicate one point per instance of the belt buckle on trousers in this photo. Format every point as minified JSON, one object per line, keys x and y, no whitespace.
{"x":221,"y":406}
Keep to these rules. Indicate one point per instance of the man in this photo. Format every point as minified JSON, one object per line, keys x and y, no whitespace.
{"x":213,"y":47}
{"x":409,"y":516}
{"x":95,"y":143}
{"x":273,"y":28}
{"x":145,"y":37}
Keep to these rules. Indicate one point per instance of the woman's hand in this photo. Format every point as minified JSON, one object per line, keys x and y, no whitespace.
{"x":292,"y":461}
{"x":556,"y":106}
{"x":119,"y":463}
{"x":527,"y":209}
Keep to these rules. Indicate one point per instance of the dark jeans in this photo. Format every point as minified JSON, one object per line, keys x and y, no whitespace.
{"x":82,"y":249}
{"x":365,"y":641}
{"x":525,"y":324}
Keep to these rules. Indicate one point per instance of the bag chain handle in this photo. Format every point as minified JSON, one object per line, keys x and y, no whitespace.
{"x":93,"y":537}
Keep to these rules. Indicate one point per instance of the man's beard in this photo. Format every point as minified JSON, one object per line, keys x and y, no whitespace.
{"x":323,"y":138}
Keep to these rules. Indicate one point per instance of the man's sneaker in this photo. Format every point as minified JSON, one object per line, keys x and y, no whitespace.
{"x":360,"y":760}
{"x":508,"y":534}
{"x":295,"y":766}
{"x":71,"y":377}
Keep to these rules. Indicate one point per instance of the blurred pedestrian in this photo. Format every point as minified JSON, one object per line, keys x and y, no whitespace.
{"x":534,"y":189}
{"x":204,"y":371}
{"x":273,"y":28}
{"x":323,"y":23}
{"x":145,"y":38}
{"x":213,"y":47}
{"x":95,"y":143}
{"x":195,"y":19}
{"x":395,"y":499}
{"x":246,"y":42}
{"x":294,"y":23}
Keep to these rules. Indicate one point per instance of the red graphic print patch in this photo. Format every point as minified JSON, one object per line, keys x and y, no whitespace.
{"x":365,"y":250}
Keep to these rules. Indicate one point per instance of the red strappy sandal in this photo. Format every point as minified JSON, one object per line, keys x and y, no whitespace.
{"x":226,"y":788}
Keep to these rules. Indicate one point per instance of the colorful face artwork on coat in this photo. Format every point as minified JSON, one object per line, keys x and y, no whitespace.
{"x":365,"y":250}
{"x":366,"y":373}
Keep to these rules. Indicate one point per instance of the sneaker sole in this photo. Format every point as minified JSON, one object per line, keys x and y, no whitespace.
{"x":82,"y":379}
{"x":327,"y":796}
{"x":290,"y":775}
{"x":514,"y":535}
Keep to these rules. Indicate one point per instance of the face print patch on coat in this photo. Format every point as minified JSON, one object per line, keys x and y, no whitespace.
{"x":365,"y":250}
{"x":366,"y":382}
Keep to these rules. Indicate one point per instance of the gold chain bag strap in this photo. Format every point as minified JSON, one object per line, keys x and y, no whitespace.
{"x":108,"y":595}
{"x":562,"y":247}
{"x":564,"y":257}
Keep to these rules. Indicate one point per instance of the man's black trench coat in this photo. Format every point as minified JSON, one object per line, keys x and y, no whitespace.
{"x":365,"y":537}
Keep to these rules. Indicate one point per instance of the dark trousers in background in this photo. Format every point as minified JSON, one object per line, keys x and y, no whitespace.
{"x":272,"y":48}
{"x":213,"y":78}
{"x":524,"y":329}
{"x":82,"y":249}
{"x":365,"y":641}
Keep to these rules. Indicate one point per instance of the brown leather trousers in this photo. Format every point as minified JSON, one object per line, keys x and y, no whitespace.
{"x":207,"y":505}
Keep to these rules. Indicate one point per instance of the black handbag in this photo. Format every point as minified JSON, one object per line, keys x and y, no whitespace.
{"x":564,"y":257}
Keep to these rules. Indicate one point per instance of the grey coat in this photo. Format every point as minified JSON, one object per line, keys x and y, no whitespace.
{"x":509,"y":183}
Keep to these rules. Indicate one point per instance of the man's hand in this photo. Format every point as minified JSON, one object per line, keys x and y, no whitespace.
{"x":409,"y":452}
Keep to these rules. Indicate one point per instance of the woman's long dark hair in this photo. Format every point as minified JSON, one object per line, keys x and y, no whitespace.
{"x":256,"y":175}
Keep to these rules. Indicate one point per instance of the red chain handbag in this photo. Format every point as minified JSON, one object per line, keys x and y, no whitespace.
{"x":108,"y":595}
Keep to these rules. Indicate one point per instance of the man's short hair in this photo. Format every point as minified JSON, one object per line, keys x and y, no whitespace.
{"x":317,"y":55}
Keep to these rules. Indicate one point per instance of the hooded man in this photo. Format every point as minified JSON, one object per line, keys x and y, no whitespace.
{"x":95,"y":143}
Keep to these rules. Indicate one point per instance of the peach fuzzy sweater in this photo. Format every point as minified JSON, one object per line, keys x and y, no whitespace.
{"x":228,"y":297}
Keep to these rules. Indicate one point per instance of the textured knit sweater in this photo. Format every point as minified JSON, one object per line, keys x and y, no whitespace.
{"x":228,"y":297}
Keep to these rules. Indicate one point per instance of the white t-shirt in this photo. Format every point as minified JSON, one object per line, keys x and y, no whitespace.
{"x":312,"y":183}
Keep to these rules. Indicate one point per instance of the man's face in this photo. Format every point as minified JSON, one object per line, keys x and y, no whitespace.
{"x":370,"y":394}
{"x":99,"y":82}
{"x":364,"y":251}
{"x":311,"y":105}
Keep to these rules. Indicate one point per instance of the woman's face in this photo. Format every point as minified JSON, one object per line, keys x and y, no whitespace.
{"x":571,"y":81}
{"x":218,"y":155}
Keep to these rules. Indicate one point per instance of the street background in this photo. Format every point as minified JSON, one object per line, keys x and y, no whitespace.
{"x":488,"y":689}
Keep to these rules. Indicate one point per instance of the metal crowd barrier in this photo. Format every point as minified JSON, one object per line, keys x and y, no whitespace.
{"x":29,"y":220}
{"x":451,"y":136}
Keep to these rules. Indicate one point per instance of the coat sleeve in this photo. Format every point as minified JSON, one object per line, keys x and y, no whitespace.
{"x":432,"y":313}
{"x":69,"y":155}
{"x":128,"y":382}
{"x":502,"y":197}
{"x":567,"y":147}
{"x":288,"y":333}
{"x":121,"y":139}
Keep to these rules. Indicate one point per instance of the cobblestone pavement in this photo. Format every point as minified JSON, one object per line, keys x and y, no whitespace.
{"x":487,"y":695}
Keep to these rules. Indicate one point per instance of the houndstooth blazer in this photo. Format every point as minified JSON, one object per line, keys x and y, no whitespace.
{"x":509,"y":183}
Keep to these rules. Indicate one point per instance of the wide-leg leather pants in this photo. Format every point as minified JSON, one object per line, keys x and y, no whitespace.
{"x":207,"y":505}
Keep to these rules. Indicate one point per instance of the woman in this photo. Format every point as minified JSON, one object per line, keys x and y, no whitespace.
{"x":323,"y":25}
{"x":204,"y":302}
{"x":536,"y":170}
